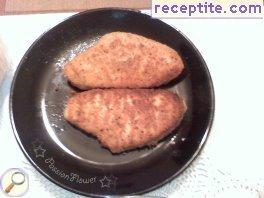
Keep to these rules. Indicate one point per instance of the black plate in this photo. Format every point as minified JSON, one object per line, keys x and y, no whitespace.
{"x":76,"y":161}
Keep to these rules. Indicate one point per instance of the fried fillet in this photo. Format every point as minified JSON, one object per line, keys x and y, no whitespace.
{"x":124,"y":119}
{"x":124,"y":60}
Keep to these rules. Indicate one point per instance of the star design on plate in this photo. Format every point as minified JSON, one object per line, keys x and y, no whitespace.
{"x":113,"y":179}
{"x":105,"y":182}
{"x":40,"y":152}
{"x":37,"y":143}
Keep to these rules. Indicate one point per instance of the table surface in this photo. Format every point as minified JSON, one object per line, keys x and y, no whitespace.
{"x":44,"y":6}
{"x":231,"y":163}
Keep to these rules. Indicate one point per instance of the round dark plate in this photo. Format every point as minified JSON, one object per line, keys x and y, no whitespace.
{"x":73,"y":159}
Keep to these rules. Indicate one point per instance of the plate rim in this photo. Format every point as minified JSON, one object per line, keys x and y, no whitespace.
{"x":180,"y":171}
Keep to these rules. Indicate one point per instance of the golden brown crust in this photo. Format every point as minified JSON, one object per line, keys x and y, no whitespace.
{"x":124,"y":60}
{"x":124,"y":119}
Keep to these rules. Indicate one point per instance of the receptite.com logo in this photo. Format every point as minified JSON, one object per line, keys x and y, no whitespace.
{"x":14,"y":182}
{"x":251,"y":9}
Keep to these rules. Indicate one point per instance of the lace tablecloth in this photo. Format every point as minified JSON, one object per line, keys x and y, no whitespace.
{"x":232,"y":161}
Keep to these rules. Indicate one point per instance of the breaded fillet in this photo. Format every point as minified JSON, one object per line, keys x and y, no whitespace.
{"x":124,"y":60}
{"x":124,"y":119}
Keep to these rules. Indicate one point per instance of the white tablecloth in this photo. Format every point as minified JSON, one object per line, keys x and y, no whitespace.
{"x":232,"y":162}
